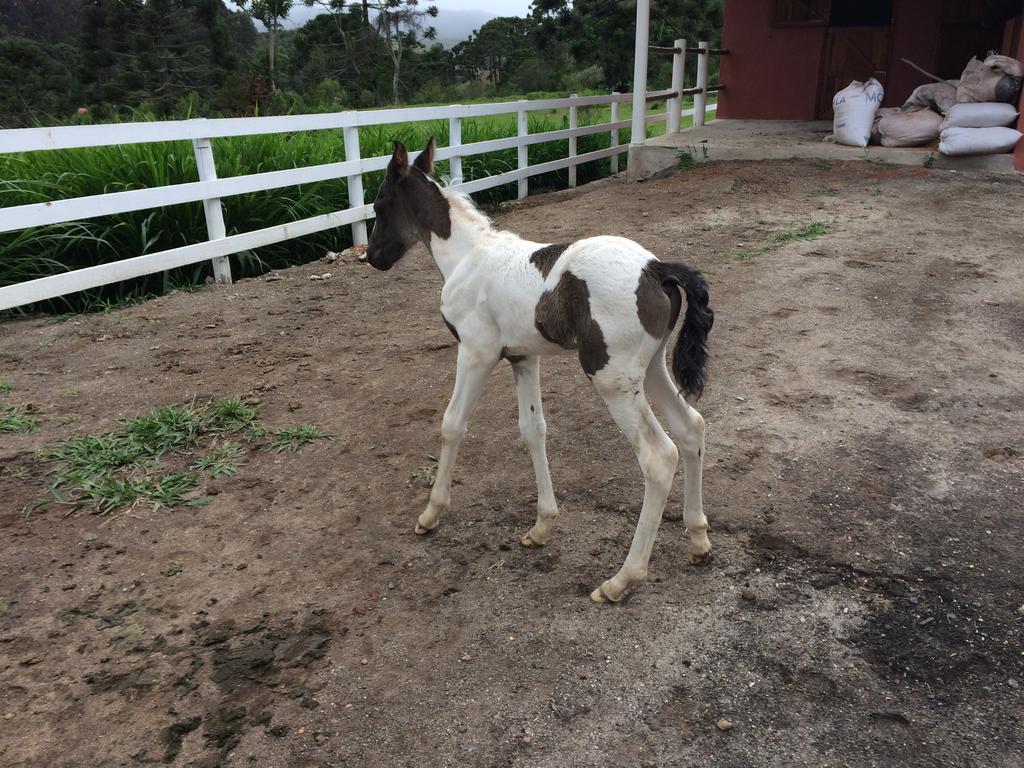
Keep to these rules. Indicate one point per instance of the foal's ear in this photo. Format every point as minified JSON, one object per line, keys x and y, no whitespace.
{"x":400,"y":159}
{"x":425,"y":159}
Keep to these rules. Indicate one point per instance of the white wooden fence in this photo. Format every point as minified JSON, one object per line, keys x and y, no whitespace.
{"x":209,"y":189}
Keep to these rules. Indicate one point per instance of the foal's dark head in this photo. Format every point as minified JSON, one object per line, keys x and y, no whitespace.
{"x":410,"y":208}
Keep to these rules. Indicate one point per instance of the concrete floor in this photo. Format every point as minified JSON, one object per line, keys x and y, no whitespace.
{"x":784,"y":139}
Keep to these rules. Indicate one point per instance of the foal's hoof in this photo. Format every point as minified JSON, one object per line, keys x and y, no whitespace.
{"x":528,"y":542}
{"x":606,"y":593}
{"x":700,"y":558}
{"x":700,"y":549}
{"x":424,"y":527}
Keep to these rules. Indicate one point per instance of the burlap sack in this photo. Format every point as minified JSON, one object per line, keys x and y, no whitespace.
{"x":876,"y":137}
{"x":998,"y":78}
{"x":909,"y":129}
{"x":938,"y":97}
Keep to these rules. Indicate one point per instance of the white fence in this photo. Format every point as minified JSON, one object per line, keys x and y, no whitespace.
{"x":209,"y":189}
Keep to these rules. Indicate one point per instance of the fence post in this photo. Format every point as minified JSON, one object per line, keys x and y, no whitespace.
{"x":614,"y":142}
{"x":700,"y":99}
{"x":574,"y":122}
{"x":675,"y":106}
{"x":522,"y":150}
{"x":355,"y":184}
{"x":455,"y":140}
{"x":214,"y":213}
{"x":638,"y":134}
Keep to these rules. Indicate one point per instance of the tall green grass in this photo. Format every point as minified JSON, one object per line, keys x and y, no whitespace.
{"x":53,"y":175}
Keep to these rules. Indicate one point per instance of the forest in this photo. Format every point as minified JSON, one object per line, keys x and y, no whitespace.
{"x":66,"y":61}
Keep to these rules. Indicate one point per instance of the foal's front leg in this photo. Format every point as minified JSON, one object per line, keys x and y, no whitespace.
{"x":474,"y":366}
{"x":533,"y":429}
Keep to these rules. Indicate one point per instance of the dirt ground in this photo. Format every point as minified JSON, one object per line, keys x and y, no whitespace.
{"x":864,"y":482}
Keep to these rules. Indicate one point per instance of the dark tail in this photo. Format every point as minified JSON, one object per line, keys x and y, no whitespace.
{"x":690,"y":359}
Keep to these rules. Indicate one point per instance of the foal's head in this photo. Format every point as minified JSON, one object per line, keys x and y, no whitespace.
{"x":410,"y":208}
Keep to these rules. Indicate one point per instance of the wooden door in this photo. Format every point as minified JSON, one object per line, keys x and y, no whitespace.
{"x":851,"y":53}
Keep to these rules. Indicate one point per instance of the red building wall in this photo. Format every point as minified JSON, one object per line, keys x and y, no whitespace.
{"x":770,"y":73}
{"x":915,"y":36}
{"x":1015,"y":29}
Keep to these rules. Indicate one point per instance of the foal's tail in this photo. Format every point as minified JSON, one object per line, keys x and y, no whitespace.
{"x":689,"y":361}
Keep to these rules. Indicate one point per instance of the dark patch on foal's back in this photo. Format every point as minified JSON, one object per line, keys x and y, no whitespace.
{"x":657,"y":308}
{"x":544,"y":258}
{"x":563,"y":318}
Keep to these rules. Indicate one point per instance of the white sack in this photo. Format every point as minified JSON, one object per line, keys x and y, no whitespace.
{"x":909,"y":129}
{"x":978,"y":141}
{"x":986,"y":114}
{"x":855,"y":108}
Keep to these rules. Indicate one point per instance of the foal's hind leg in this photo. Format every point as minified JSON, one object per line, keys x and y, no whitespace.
{"x":473,"y":368}
{"x":658,"y":457}
{"x":687,"y":427}
{"x":533,"y":429}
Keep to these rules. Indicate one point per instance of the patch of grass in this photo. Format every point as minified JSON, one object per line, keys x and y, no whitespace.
{"x":124,"y":468}
{"x":292,"y":438}
{"x":5,"y":387}
{"x":685,"y":161}
{"x":18,"y":473}
{"x":65,"y":419}
{"x":425,"y":475}
{"x":929,"y":161}
{"x":823,"y":192}
{"x":820,"y":164}
{"x":808,"y":232}
{"x":233,"y":414}
{"x":220,"y":461}
{"x":748,"y":253}
{"x":171,"y":428}
{"x":18,"y":420}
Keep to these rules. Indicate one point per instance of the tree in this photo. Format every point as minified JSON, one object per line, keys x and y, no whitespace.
{"x":398,"y":22}
{"x":39,"y":80}
{"x":498,"y":48}
{"x":271,"y":13}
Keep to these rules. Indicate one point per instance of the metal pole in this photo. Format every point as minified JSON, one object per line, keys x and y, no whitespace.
{"x":639,"y":125}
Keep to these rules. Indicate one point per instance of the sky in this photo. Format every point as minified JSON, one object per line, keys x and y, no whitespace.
{"x":497,"y":7}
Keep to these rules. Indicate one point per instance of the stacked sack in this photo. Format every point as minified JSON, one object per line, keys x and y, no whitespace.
{"x":978,"y":124}
{"x":979,"y":129}
{"x":969,"y":116}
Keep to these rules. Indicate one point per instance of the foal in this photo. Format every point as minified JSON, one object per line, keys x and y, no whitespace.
{"x":606,"y":298}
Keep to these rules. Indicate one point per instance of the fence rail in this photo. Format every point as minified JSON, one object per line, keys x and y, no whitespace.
{"x":210,"y":189}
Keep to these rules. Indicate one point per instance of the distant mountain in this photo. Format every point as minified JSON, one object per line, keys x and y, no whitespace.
{"x":452,"y":26}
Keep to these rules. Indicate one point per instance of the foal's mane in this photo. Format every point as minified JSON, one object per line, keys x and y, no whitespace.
{"x":462,"y":202}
